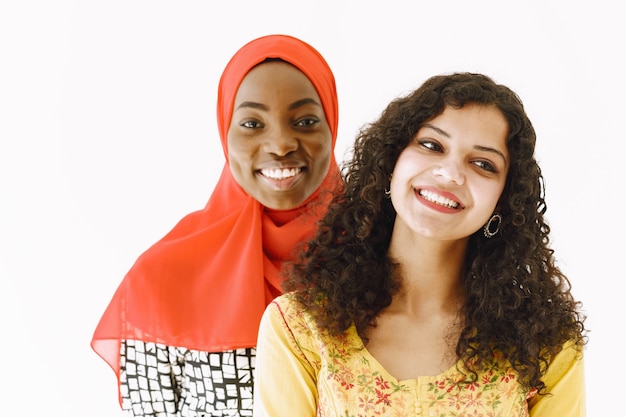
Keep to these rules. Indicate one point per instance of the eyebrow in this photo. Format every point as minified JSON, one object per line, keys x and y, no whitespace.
{"x":253,"y":105}
{"x":292,"y":106}
{"x":477,"y":147}
{"x":300,"y":103}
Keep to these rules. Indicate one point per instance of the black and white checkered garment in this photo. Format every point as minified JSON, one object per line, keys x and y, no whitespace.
{"x":164,"y":381}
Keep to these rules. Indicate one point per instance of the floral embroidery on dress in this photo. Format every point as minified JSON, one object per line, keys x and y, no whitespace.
{"x":352,"y":385}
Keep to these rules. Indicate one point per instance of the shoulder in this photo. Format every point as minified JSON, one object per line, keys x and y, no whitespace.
{"x":293,"y":315}
{"x":286,"y":326}
{"x":286,"y":314}
{"x":569,"y":360}
{"x":565,"y":383}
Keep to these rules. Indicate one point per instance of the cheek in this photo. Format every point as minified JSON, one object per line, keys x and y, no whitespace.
{"x":490,"y":195}
{"x":240,"y":164}
{"x":320,"y":154}
{"x":322,"y":165}
{"x":407,"y":165}
{"x":235,"y":168}
{"x":240,"y":151}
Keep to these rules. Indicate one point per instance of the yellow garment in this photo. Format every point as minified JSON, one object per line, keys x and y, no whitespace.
{"x":301,"y":371}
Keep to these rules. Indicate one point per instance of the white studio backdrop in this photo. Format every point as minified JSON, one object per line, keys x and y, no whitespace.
{"x":108,"y":137}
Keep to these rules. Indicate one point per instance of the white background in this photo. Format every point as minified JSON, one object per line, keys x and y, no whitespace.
{"x":108,"y":137}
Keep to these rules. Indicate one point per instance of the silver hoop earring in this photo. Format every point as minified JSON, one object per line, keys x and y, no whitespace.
{"x":490,"y":229}
{"x":388,"y":190}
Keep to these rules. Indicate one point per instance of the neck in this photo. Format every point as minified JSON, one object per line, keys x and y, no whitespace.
{"x":430,"y":270}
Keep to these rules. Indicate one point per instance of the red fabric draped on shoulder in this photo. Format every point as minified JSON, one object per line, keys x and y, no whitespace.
{"x":205,"y":285}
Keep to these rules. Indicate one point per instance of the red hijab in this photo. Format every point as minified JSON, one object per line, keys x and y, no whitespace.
{"x":205,"y":285}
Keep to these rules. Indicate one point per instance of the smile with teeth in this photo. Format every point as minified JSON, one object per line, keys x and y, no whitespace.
{"x":437,"y":199}
{"x":280,"y":173}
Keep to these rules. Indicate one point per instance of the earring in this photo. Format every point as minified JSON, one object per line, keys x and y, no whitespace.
{"x":388,"y":190}
{"x":490,"y":230}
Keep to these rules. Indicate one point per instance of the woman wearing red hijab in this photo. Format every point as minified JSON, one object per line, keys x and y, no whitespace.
{"x":181,"y":328}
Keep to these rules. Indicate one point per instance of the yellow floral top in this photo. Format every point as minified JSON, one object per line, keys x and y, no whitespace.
{"x":301,"y":371}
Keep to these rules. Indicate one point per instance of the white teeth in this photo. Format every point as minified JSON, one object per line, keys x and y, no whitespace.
{"x":437,"y":199}
{"x":280,"y":173}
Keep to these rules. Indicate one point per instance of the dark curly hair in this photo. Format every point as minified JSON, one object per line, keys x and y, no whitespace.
{"x":517,"y":301}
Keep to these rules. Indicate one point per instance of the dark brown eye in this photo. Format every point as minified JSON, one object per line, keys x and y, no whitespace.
{"x":251,"y":124}
{"x":430,"y":145}
{"x":307,"y":121}
{"x":486,"y":165}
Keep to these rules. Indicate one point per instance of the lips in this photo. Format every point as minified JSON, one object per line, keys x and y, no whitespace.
{"x":280,"y":173}
{"x":439,"y":199}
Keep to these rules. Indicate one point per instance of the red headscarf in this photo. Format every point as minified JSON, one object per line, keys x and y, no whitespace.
{"x":204,"y":285}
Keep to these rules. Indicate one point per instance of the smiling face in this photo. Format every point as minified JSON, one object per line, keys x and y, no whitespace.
{"x":447,"y":181}
{"x":279,"y":142}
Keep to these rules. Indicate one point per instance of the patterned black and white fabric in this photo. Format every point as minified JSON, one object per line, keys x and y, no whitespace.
{"x":164,"y":381}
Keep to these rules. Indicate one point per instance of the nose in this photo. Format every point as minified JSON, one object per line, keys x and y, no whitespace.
{"x":449,"y":170}
{"x":280,"y":142}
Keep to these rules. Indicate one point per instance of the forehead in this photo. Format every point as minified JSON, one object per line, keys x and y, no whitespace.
{"x":472,"y":117}
{"x":480,"y":126}
{"x":273,"y":78}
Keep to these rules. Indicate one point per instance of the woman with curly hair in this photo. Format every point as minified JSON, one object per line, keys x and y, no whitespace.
{"x":430,"y":287}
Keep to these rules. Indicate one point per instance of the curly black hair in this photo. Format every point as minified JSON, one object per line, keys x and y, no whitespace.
{"x":517,"y":301}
